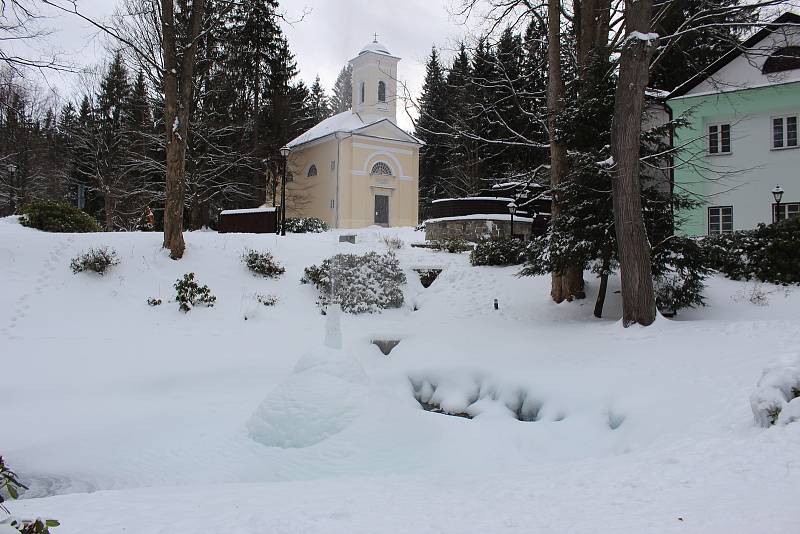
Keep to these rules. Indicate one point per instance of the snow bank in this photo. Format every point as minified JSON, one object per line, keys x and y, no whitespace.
{"x":323,"y":395}
{"x":777,"y":397}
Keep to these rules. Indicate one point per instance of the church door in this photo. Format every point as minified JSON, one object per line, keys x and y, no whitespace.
{"x":382,"y":210}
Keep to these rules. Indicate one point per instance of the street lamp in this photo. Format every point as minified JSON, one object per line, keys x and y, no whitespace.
{"x":284,"y":154}
{"x":777,"y":194}
{"x":512,"y":209}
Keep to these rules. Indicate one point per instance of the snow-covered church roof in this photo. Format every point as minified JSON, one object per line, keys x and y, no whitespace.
{"x":344,"y":122}
{"x":374,"y":46}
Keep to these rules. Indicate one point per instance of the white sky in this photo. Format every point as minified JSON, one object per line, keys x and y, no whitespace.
{"x":330,"y":33}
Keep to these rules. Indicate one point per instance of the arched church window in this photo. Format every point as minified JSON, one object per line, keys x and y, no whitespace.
{"x":362,"y":92}
{"x":312,"y":171}
{"x":381,"y":168}
{"x":783,"y":59}
{"x":381,"y":92}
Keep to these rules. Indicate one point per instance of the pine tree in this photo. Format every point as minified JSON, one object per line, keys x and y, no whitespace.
{"x":431,"y":128}
{"x":318,"y":104}
{"x":342,"y":99}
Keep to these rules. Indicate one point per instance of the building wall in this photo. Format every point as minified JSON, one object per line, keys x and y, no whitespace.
{"x":311,"y":196}
{"x":354,"y":159}
{"x":372,"y":68}
{"x":402,"y":187}
{"x":743,"y":179}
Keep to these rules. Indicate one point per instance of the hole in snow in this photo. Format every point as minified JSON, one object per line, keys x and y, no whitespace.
{"x":469,"y":399}
{"x":615,"y":420}
{"x":386,"y":345}
{"x":427,"y":276}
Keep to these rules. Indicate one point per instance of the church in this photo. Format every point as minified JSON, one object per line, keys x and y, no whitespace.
{"x":358,"y":168}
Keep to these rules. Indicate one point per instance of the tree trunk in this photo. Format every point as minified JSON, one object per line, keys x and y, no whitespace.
{"x":108,"y":209}
{"x":178,"y":103}
{"x":638,"y":298}
{"x":569,"y":284}
{"x":601,"y":293}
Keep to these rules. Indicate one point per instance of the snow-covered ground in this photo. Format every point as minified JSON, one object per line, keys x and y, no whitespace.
{"x":129,"y":418}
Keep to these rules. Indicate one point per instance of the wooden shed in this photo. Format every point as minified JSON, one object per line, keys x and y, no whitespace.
{"x":249,"y":221}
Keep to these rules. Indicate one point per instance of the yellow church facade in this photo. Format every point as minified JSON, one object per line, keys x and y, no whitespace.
{"x":358,"y":168}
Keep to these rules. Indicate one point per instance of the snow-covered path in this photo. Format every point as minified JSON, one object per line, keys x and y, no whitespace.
{"x":127,"y":418}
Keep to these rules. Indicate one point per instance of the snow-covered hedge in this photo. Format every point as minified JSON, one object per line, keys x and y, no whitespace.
{"x":307,"y":225}
{"x":57,"y":217}
{"x":503,"y":251}
{"x":362,"y":283}
{"x":776,"y":399}
{"x":769,"y":253}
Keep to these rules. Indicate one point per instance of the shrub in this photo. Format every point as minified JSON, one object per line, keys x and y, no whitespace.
{"x":502,"y":251}
{"x":9,"y":483}
{"x":190,"y":294}
{"x":453,"y":245}
{"x":153,"y":302}
{"x":262,"y":263}
{"x":57,"y":217}
{"x":392,"y":242}
{"x":359,"y":283}
{"x":306,"y":225}
{"x":10,"y":487}
{"x":95,"y":259}
{"x":266,"y":300}
{"x":768,"y":254}
{"x":679,"y":269}
{"x":31,"y":526}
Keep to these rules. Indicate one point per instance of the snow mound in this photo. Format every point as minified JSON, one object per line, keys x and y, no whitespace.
{"x":324,"y":394}
{"x":775,"y":399}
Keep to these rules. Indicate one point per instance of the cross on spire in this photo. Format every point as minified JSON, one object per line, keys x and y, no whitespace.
{"x":375,"y":40}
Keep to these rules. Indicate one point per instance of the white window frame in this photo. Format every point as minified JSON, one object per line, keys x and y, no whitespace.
{"x":784,"y":131}
{"x":721,"y":229}
{"x":785,"y":210}
{"x":718,"y":126}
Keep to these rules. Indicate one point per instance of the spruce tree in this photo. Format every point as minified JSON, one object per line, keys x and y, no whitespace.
{"x":431,"y":129}
{"x":342,"y":99}
{"x":318,"y":104}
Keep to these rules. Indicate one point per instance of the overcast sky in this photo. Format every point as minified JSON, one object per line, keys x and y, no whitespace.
{"x":330,"y":33}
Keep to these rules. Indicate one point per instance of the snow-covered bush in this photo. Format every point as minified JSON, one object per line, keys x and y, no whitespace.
{"x":154,"y":302}
{"x":190,"y":294}
{"x":777,"y":395}
{"x":9,"y":483}
{"x":362,"y":283}
{"x":769,"y":253}
{"x":95,"y":259}
{"x":57,"y":217}
{"x":29,"y":526}
{"x":266,"y":300}
{"x":9,"y":488}
{"x":453,"y":245}
{"x":679,"y":269}
{"x":262,"y":263}
{"x":306,"y":225}
{"x":501,"y":251}
{"x":393,"y":242}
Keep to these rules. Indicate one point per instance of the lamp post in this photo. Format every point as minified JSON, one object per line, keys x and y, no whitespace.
{"x":284,"y":154}
{"x":777,"y":194}
{"x":512,"y":209}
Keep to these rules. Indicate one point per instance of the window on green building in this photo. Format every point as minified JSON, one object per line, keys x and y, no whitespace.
{"x":720,"y":220}
{"x":719,"y":139}
{"x":784,"y":132}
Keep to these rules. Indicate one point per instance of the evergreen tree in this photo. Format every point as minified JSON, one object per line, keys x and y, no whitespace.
{"x":318,"y":104}
{"x":688,"y":54}
{"x":342,"y":99}
{"x":431,"y":128}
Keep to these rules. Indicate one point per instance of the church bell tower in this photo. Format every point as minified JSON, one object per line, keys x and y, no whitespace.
{"x":375,"y":82}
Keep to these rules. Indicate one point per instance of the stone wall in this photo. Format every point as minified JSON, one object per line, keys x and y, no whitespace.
{"x":474,"y":229}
